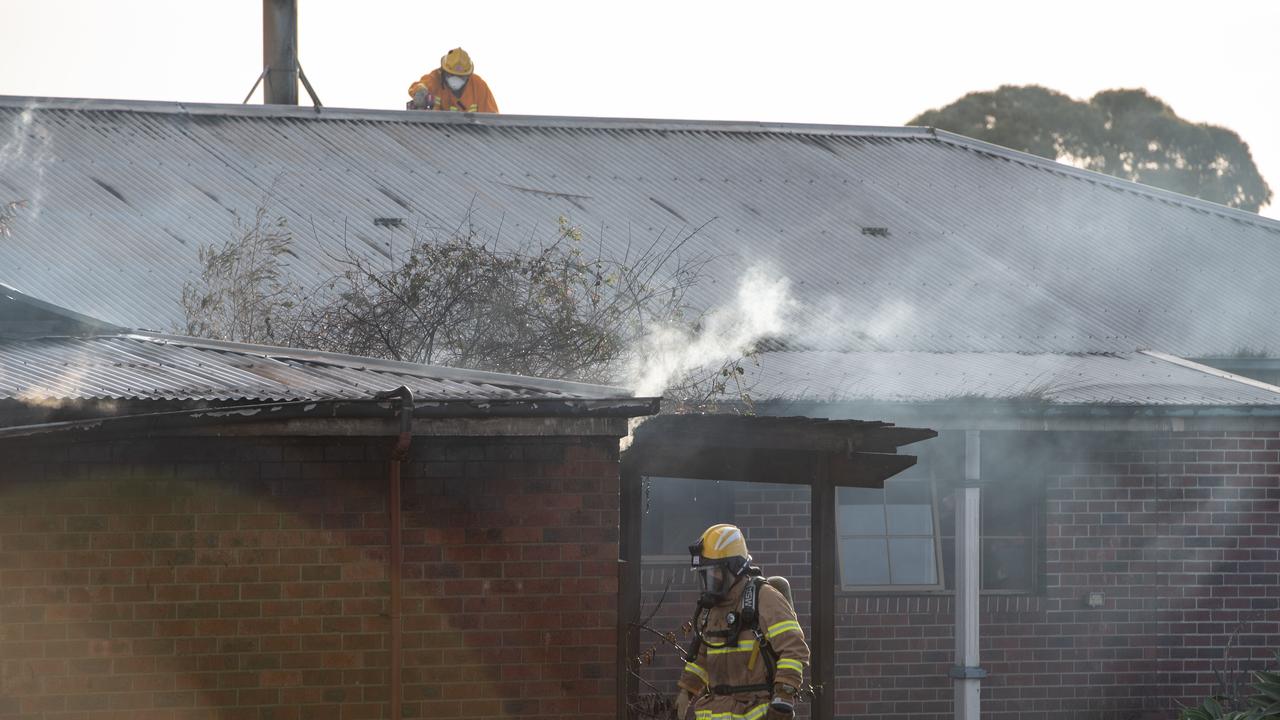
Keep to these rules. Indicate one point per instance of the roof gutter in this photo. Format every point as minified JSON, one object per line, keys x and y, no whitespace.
{"x":362,"y":408}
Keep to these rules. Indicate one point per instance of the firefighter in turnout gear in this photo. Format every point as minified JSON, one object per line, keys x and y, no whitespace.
{"x":452,"y":86}
{"x":748,"y":654}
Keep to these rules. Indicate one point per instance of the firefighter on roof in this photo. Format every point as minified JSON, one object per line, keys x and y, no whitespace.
{"x":452,"y":86}
{"x":748,"y":654}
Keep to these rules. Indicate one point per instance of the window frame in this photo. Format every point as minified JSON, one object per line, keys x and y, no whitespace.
{"x":940,"y":466}
{"x":1037,"y":537}
{"x":939,"y":586}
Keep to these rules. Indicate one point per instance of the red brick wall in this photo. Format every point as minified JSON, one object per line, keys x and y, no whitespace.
{"x":1180,"y":531}
{"x":246,"y":579}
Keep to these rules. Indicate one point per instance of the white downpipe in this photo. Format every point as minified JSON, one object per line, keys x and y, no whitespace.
{"x":967,"y":674}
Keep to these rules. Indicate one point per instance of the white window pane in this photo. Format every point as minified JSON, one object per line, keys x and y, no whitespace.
{"x":864,"y":561}
{"x":913,"y":561}
{"x":860,"y":519}
{"x":910,"y":519}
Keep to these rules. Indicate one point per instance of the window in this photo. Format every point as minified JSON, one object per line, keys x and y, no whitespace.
{"x":889,"y":538}
{"x":677,"y":510}
{"x":903,"y":537}
{"x":1010,"y":530}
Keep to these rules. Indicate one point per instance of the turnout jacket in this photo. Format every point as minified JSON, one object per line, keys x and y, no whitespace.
{"x":475,"y":97}
{"x":719,"y":666}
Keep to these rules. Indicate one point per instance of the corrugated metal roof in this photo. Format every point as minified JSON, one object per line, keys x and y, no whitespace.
{"x":160,"y":367}
{"x":931,"y":242}
{"x":1135,"y":379}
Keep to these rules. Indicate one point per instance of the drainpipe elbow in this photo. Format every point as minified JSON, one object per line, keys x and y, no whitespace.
{"x":405,"y":395}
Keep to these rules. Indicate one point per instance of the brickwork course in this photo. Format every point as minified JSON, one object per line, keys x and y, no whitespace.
{"x":1179,"y":531}
{"x":248,"y":578}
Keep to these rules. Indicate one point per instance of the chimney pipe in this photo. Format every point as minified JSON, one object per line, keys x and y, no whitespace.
{"x":280,"y":52}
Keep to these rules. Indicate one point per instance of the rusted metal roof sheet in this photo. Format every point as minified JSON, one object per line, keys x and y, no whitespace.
{"x":926,"y":240}
{"x":1127,"y":379}
{"x":160,"y":367}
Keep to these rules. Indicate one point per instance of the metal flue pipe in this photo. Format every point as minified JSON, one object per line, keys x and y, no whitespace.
{"x":280,"y":52}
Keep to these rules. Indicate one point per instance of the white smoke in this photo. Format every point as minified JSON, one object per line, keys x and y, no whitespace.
{"x":885,"y":320}
{"x":28,"y":148}
{"x":762,"y":307}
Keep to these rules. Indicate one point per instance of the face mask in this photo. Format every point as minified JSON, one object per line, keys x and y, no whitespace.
{"x":456,"y":82}
{"x":711,"y":580}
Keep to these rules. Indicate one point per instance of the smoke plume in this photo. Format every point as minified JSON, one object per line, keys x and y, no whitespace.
{"x":27,"y":144}
{"x":762,"y":307}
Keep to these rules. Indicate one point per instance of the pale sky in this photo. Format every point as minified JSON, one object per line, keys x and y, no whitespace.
{"x":845,"y":63}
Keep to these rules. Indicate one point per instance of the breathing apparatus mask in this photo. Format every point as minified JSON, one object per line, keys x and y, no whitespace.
{"x":455,"y":82}
{"x":716,"y":576}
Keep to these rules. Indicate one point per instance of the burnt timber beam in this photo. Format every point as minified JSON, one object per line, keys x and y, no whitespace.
{"x":776,"y":466}
{"x":867,"y":470}
{"x":716,"y":463}
{"x":757,"y":433}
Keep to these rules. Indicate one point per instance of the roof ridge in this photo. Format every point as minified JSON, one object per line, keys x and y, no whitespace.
{"x":168,"y":107}
{"x":1207,"y":370}
{"x":660,"y":124}
{"x":1149,"y":191}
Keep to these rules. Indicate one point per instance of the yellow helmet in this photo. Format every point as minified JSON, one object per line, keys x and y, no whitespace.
{"x":719,"y":556}
{"x":457,"y":62}
{"x":720,"y":542}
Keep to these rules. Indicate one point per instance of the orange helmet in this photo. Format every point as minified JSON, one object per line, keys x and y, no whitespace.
{"x":457,"y":62}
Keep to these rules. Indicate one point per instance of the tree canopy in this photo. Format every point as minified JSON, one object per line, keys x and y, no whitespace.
{"x":1127,"y":133}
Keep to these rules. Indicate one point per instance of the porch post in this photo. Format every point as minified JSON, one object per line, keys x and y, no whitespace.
{"x":822,"y":568}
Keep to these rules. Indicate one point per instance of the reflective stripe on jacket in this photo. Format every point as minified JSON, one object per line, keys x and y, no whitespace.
{"x":717,"y":664}
{"x":754,"y":713}
{"x":475,"y":96}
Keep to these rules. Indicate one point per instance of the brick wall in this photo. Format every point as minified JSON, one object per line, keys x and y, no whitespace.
{"x":205,"y":578}
{"x":1179,"y":531}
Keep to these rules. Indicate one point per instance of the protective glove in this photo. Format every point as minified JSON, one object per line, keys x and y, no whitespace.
{"x":422,"y":100}
{"x":783,"y":706}
{"x":682,"y":703}
{"x":780,"y":710}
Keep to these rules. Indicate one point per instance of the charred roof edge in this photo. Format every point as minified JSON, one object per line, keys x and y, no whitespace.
{"x":532,"y":409}
{"x":408,"y":368}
